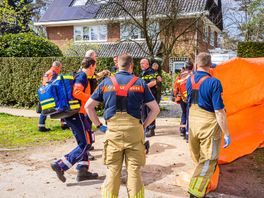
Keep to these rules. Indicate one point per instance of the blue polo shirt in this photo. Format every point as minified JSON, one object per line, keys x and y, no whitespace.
{"x":210,"y":91}
{"x":138,"y":94}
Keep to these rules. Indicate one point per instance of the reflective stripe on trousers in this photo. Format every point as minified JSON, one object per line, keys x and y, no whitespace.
{"x":204,"y":143}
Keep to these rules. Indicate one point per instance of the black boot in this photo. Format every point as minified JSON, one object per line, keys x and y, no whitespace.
{"x":148,"y":134}
{"x":43,"y":129}
{"x":84,"y":174}
{"x":59,"y":172}
{"x":152,"y":131}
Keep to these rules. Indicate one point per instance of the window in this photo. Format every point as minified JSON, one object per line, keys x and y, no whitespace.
{"x":132,"y":32}
{"x":90,"y":33}
{"x":79,"y":2}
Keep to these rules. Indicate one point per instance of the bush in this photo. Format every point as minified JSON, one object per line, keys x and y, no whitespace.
{"x":250,"y":49}
{"x":27,"y":45}
{"x":20,"y":78}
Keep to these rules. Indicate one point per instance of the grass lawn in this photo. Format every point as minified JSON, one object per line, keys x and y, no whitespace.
{"x":22,"y":132}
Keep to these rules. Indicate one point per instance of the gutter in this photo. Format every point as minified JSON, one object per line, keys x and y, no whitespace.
{"x":96,"y":21}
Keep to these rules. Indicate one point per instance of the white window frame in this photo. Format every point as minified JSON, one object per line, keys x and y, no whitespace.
{"x":76,"y":3}
{"x":212,"y":37}
{"x":95,"y":27}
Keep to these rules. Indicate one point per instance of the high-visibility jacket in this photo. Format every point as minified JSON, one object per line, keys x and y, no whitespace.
{"x":180,"y":85}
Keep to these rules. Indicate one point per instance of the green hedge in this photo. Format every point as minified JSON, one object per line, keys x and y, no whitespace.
{"x":250,"y":49}
{"x":20,"y":78}
{"x":27,"y":45}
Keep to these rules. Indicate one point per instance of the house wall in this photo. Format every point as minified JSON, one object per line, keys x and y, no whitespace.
{"x":113,"y":33}
{"x":61,"y":36}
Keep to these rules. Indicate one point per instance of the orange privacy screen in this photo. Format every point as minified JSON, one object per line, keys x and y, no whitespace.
{"x":243,"y":94}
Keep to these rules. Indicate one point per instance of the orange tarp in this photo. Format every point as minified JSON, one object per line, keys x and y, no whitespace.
{"x":243,"y":94}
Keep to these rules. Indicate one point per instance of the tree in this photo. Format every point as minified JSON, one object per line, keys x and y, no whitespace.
{"x":245,"y":20}
{"x":153,"y":20}
{"x":17,"y":15}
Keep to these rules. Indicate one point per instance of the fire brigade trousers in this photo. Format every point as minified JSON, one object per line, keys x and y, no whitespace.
{"x":81,"y":130}
{"x":124,"y":141}
{"x":204,"y":143}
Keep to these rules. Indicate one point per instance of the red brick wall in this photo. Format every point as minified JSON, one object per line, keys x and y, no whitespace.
{"x":60,"y":35}
{"x":113,"y":32}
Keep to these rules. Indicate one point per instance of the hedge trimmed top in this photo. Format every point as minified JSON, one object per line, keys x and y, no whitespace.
{"x":27,"y":45}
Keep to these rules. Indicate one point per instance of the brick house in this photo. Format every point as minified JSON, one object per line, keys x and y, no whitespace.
{"x":82,"y":21}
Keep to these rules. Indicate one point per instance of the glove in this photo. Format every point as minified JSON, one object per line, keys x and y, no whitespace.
{"x":103,"y":128}
{"x":227,"y":140}
{"x":147,"y":146}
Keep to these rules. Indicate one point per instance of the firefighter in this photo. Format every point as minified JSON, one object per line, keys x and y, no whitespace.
{"x":148,"y":75}
{"x":207,"y":118}
{"x":123,"y":94}
{"x":50,"y":76}
{"x":181,"y":95}
{"x":80,"y":127}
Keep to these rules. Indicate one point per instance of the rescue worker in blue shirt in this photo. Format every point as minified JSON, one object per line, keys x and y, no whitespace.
{"x":48,"y":77}
{"x":149,"y":76}
{"x":80,"y":127}
{"x":123,"y":95}
{"x":207,"y":120}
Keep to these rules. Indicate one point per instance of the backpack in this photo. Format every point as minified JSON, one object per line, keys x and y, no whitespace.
{"x":56,"y":98}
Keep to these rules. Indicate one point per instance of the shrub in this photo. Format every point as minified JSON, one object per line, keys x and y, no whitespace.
{"x":250,"y":49}
{"x":20,"y":78}
{"x":27,"y":45}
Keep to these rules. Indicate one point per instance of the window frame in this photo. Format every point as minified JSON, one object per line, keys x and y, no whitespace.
{"x":94,"y":27}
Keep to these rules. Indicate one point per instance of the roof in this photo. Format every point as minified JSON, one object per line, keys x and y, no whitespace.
{"x":137,"y":50}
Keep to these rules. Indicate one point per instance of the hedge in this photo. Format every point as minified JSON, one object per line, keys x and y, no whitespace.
{"x":27,"y":45}
{"x":20,"y":78}
{"x":250,"y":49}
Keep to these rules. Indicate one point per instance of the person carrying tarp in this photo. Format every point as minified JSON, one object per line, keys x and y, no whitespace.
{"x":123,"y":95}
{"x":207,"y":118}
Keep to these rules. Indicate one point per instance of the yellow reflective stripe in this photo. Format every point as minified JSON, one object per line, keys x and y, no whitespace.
{"x":195,"y":185}
{"x":91,"y":77}
{"x":73,"y":101}
{"x":140,"y":194}
{"x":65,"y":77}
{"x":48,"y":100}
{"x":77,"y":106}
{"x":48,"y":106}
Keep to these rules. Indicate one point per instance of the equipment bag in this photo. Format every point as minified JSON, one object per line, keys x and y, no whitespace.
{"x":56,"y":98}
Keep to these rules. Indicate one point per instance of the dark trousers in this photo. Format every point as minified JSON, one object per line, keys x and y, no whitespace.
{"x":81,"y":130}
{"x":42,"y":120}
{"x":183,"y":116}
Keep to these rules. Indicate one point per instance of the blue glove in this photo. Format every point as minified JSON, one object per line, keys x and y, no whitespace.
{"x":103,"y":128}
{"x":227,"y":140}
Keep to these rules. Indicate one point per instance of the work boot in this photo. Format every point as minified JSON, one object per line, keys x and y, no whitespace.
{"x":152,"y":131}
{"x":148,"y":133}
{"x":43,"y":129}
{"x":59,"y":172}
{"x":84,"y":174}
{"x":91,"y":148}
{"x":91,"y":157}
{"x":64,"y":126}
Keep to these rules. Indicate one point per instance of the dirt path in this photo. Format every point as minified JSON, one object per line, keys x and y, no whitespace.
{"x":26,"y":173}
